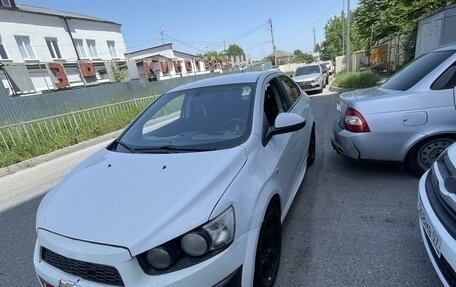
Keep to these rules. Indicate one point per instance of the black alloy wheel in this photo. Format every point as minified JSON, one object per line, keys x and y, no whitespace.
{"x":268,"y":248}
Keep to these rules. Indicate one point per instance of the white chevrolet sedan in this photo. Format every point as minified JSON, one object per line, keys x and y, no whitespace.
{"x":193,"y":193}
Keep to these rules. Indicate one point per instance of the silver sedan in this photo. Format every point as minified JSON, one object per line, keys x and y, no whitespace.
{"x":409,"y":119}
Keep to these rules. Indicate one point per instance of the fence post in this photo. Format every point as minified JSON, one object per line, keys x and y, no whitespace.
{"x":4,"y":141}
{"x":11,"y":136}
{"x":26,"y":132}
{"x":75,"y":121}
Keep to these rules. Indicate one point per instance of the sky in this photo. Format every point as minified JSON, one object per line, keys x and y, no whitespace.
{"x":198,"y":26}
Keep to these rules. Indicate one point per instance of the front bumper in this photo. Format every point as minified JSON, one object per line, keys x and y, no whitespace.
{"x":443,"y":257}
{"x":224,"y":269}
{"x":311,"y":86}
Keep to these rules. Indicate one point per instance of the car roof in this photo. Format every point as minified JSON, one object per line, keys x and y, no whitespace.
{"x":448,"y":47}
{"x":238,"y":78}
{"x":310,"y":64}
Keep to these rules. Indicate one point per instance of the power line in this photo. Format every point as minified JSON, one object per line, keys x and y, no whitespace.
{"x":185,"y":44}
{"x":309,"y":26}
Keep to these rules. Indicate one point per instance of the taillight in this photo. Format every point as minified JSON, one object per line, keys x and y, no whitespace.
{"x":355,"y":122}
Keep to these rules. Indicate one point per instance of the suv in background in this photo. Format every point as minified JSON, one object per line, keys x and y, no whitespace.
{"x":311,"y":77}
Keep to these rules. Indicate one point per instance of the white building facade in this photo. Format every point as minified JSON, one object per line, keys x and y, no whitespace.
{"x":162,"y":62}
{"x":43,"y":49}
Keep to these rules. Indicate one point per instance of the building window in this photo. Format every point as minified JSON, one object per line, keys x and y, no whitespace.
{"x":80,"y":48}
{"x":3,"y":55}
{"x":53,"y":48}
{"x":112,"y":49}
{"x":23,"y":42}
{"x":6,"y":3}
{"x":93,"y":52}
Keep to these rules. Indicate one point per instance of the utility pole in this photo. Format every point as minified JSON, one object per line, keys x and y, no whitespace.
{"x":315,"y":41}
{"x":348,"y":37}
{"x":273,"y":45}
{"x":343,"y":27}
{"x":163,"y":39}
{"x":224,"y":44}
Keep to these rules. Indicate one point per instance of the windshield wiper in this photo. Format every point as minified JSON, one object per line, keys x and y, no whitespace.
{"x":132,"y":150}
{"x":172,"y":149}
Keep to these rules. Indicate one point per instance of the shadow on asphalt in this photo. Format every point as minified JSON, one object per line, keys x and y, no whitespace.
{"x":17,"y":241}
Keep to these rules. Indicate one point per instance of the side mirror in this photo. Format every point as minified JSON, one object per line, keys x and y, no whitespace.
{"x":285,"y":123}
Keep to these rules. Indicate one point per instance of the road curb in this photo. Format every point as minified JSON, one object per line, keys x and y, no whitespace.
{"x":55,"y":154}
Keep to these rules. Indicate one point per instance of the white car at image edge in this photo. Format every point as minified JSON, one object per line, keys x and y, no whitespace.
{"x":437,"y":213}
{"x":192,"y":193}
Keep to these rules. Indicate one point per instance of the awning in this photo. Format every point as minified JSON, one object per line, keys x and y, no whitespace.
{"x":19,"y":78}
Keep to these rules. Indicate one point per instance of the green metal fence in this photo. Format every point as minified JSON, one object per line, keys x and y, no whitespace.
{"x":50,"y":127}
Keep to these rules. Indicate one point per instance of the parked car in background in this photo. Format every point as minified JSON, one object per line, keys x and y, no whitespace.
{"x":410,"y":119}
{"x":193,"y":193}
{"x":310,"y":77}
{"x":437,"y":213}
{"x":325,"y":73}
{"x":329,"y":66}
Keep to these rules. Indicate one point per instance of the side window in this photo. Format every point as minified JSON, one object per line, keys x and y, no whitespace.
{"x":447,"y":80}
{"x":272,"y":103}
{"x":292,"y":91}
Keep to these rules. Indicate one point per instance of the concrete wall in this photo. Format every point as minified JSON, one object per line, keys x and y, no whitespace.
{"x":436,"y":29}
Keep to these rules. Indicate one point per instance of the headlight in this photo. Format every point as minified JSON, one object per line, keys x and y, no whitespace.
{"x":195,"y":244}
{"x":192,"y":247}
{"x":214,"y":235}
{"x":160,"y":257}
{"x":316,"y":79}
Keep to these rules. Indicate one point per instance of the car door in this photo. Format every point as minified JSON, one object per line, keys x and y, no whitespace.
{"x":286,"y":148}
{"x":432,"y":110}
{"x":298,"y":103}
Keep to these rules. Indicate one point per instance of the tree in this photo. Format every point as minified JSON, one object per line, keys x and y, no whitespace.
{"x":333,"y":44}
{"x":300,"y":57}
{"x":118,"y":73}
{"x":234,"y":50}
{"x":379,"y":19}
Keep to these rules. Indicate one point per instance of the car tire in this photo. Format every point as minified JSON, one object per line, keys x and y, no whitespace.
{"x":422,"y":156}
{"x":312,"y":148}
{"x":268,"y":248}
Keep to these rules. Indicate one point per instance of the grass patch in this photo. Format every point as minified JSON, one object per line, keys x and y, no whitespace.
{"x":356,"y":80}
{"x":34,"y":139}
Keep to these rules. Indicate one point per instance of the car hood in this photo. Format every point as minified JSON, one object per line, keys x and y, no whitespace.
{"x":307,"y":77}
{"x":139,"y":201}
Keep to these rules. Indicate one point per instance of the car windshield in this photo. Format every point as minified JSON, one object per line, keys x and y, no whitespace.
{"x":200,"y":119}
{"x":306,"y":70}
{"x":416,"y":70}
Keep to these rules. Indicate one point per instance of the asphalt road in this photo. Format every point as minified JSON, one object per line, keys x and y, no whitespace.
{"x":352,"y":224}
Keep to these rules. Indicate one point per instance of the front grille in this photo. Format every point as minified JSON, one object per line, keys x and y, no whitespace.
{"x":86,"y":270}
{"x":444,"y":267}
{"x":305,"y":85}
{"x":445,"y":213}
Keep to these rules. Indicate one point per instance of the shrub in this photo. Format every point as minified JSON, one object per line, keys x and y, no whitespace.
{"x":356,"y":80}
